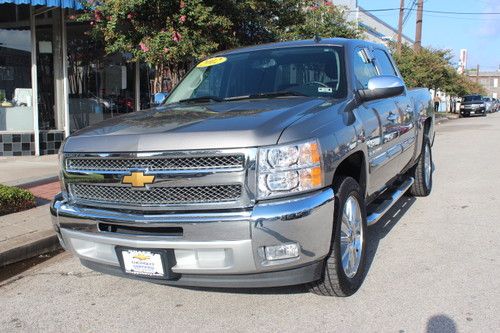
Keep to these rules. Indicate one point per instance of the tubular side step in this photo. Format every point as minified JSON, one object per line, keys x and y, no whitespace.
{"x":387,"y":204}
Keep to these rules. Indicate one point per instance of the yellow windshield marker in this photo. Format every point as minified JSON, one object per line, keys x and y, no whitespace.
{"x":212,"y":61}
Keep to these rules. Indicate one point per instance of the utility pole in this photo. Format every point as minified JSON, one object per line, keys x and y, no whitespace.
{"x":477,"y":73}
{"x":400,"y":25}
{"x":418,"y":31}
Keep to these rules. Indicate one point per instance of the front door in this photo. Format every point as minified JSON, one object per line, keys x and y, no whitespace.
{"x":405,"y":112}
{"x":382,"y":140}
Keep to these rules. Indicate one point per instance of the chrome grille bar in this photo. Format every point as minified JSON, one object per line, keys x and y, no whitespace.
{"x":156,"y":164}
{"x":155,"y":195}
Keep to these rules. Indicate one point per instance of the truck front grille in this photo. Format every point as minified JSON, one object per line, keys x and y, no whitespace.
{"x":155,"y":196}
{"x":156,"y":164}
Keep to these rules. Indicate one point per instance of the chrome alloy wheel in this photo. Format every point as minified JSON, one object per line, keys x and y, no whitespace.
{"x":427,"y":166}
{"x":351,"y":237}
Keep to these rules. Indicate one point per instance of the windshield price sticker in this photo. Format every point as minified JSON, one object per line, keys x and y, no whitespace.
{"x":212,"y":62}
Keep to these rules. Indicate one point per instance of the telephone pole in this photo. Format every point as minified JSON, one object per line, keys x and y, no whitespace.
{"x":418,"y":32}
{"x":400,"y":25}
{"x":477,"y":73}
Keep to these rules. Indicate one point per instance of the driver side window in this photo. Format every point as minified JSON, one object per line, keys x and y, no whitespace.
{"x":364,"y":68}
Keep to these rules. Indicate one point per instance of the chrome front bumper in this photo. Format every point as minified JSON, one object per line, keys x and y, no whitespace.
{"x":217,"y":244}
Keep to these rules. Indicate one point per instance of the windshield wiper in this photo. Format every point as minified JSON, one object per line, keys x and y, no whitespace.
{"x":202,"y":99}
{"x":267,"y":95}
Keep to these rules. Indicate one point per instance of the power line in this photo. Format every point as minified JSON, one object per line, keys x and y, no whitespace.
{"x":476,"y":19}
{"x":431,"y":11}
{"x":409,"y":12}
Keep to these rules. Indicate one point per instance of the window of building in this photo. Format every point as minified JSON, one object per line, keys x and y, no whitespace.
{"x":16,"y":110}
{"x":100,"y":86}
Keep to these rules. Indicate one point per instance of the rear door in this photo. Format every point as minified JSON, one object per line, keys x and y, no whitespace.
{"x":382,"y":139}
{"x":405,"y":112}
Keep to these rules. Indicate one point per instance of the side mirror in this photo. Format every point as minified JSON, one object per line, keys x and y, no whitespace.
{"x":383,"y":86}
{"x":159,"y":98}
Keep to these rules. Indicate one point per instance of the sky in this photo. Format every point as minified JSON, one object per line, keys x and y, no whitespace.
{"x":479,"y":34}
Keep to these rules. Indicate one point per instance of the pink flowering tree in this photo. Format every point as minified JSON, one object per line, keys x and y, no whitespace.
{"x":167,"y":34}
{"x":171,"y":34}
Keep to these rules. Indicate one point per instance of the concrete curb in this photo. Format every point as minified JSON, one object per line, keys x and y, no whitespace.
{"x":45,"y":242}
{"x":34,"y":182}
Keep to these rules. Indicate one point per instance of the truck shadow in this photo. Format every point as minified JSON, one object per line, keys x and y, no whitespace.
{"x":375,"y":234}
{"x":378,"y":231}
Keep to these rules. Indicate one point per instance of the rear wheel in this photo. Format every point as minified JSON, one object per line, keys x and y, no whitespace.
{"x":345,"y":265}
{"x":422,"y":172}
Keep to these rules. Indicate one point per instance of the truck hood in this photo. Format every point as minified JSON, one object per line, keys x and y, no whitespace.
{"x":232,"y":124}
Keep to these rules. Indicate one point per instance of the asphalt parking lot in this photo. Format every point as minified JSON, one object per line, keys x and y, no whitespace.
{"x":433,"y":267}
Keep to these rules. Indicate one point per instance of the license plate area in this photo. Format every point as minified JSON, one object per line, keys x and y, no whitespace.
{"x":147,"y":263}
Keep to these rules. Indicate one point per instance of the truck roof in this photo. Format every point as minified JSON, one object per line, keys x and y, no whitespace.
{"x":296,"y":43}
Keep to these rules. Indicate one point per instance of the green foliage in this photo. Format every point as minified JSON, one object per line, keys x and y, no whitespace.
{"x":170,"y":32}
{"x":432,"y":68}
{"x":326,"y":20}
{"x":258,"y":21}
{"x":14,"y":199}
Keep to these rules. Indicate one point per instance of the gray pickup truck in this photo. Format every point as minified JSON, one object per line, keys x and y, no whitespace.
{"x":263,"y":167}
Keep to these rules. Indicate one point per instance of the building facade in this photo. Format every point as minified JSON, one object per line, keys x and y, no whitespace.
{"x":55,"y":79}
{"x":376,"y":30}
{"x":490,"y":82}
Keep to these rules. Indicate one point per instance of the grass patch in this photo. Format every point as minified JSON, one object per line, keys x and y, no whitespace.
{"x":14,"y":199}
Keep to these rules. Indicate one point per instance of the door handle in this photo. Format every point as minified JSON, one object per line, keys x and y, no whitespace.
{"x":392,"y":117}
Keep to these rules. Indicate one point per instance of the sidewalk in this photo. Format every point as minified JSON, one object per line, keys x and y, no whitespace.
{"x":29,"y":233}
{"x":26,"y":234}
{"x":19,"y":170}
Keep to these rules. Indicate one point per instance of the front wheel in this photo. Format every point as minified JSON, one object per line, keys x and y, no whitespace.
{"x":422,"y":172}
{"x":344,"y":267}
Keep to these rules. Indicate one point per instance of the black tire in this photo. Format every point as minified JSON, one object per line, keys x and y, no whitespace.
{"x":421,"y":187}
{"x":334,"y":281}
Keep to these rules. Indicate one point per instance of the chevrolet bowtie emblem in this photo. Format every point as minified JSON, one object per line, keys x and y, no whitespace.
{"x":141,"y":256}
{"x":138,"y":179}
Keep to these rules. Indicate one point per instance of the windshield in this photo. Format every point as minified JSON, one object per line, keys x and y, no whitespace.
{"x":316,"y":71}
{"x":472,"y":98}
{"x":487,"y":99}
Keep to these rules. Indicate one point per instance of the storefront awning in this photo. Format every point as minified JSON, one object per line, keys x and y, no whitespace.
{"x":75,"y":4}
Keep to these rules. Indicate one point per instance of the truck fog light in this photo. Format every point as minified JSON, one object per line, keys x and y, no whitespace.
{"x":283,"y":251}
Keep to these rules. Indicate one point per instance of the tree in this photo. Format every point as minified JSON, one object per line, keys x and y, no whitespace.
{"x":432,"y":68}
{"x":259,"y":21}
{"x":325,"y":20}
{"x":427,"y":68}
{"x":168,"y":34}
{"x":171,"y":34}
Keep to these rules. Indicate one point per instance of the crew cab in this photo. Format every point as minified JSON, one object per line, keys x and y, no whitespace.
{"x":263,"y":167}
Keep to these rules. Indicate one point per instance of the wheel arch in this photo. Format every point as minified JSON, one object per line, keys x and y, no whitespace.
{"x":354,"y":165}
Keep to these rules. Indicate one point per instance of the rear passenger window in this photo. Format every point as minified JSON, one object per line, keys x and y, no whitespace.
{"x":364,"y":68}
{"x":383,"y":62}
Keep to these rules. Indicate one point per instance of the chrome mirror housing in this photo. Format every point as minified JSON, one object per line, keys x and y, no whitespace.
{"x":383,"y":86}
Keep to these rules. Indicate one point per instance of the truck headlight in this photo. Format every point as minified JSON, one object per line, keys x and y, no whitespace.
{"x":289,"y":169}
